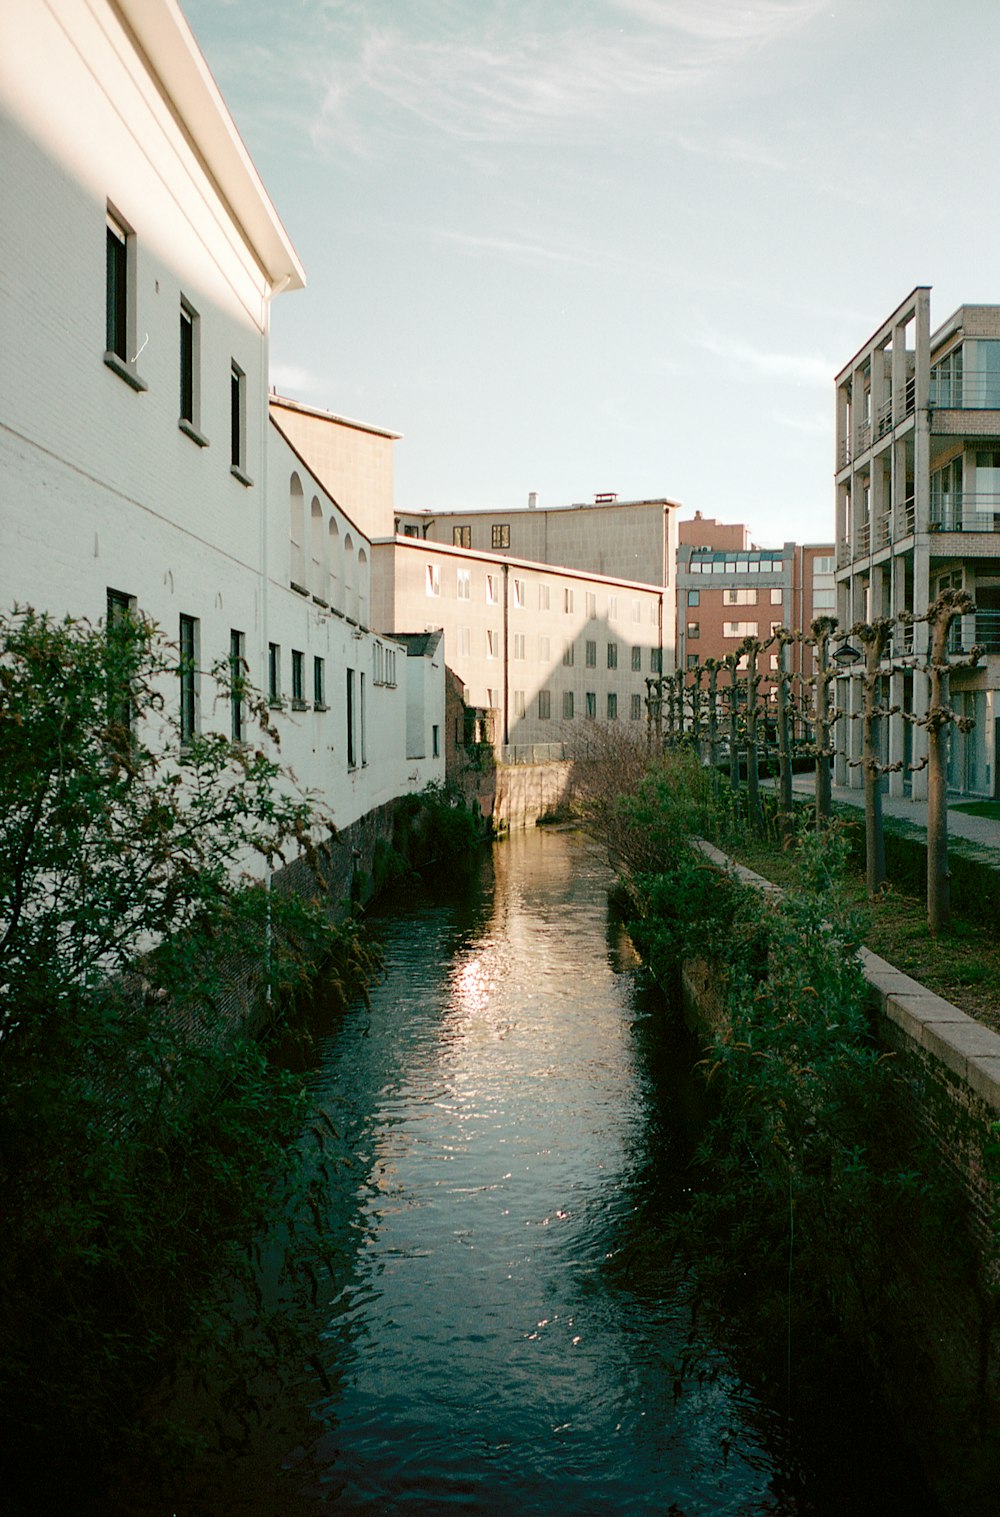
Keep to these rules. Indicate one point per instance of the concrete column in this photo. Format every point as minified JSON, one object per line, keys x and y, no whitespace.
{"x":897,"y":735}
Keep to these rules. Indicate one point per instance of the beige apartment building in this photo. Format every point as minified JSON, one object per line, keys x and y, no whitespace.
{"x":544,"y":649}
{"x":728,"y":588}
{"x":918,"y":511}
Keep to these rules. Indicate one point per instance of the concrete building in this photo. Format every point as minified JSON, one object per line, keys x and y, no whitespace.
{"x":918,"y":511}
{"x":728,"y":589}
{"x":138,"y":465}
{"x":632,"y":540}
{"x":540,"y":649}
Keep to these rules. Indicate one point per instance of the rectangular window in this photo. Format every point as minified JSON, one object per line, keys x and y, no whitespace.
{"x":637,"y":611}
{"x":518,"y":702}
{"x":238,"y":424}
{"x":120,"y":300}
{"x":352,"y":756}
{"x":411,"y":530}
{"x":637,"y":660}
{"x":567,"y":600}
{"x":692,"y":660}
{"x":501,"y":536}
{"x":776,"y":597}
{"x":544,"y":649}
{"x":463,"y":588}
{"x":432,"y":579}
{"x":591,"y":599}
{"x":274,"y":674}
{"x":635,"y":707}
{"x":568,"y":655}
{"x":362,"y":724}
{"x":189,"y":419}
{"x":656,"y":660}
{"x":739,"y":629}
{"x":694,"y":597}
{"x":237,"y":682}
{"x":121,"y":707}
{"x":824,"y":600}
{"x":567,"y":705}
{"x":544,"y":705}
{"x":461,"y":537}
{"x":319,"y":683}
{"x":612,"y":706}
{"x":492,"y":589}
{"x":590,"y":656}
{"x":612,"y":607}
{"x":612,"y":655}
{"x":435,"y":741}
{"x":298,"y":680}
{"x":740,"y":597}
{"x":518,"y":644}
{"x":465,"y":640}
{"x":693,"y":630}
{"x":492,"y":643}
{"x":543,"y":598}
{"x":187,"y":671}
{"x":520,"y":594}
{"x":117,"y":310}
{"x":590,"y":704}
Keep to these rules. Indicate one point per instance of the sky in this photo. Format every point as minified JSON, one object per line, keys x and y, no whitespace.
{"x":575,"y":246}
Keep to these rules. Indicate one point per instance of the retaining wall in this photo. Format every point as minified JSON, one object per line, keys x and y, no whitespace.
{"x":937,"y":1347}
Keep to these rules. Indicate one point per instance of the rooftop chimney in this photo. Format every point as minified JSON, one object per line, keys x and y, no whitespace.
{"x":532,"y":500}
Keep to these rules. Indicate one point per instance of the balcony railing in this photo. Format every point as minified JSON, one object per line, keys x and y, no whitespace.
{"x":844,"y":553}
{"x":966,"y":511}
{"x":883,"y":530}
{"x":884,"y":418}
{"x":864,"y":540}
{"x":909,"y":516}
{"x":971,"y":391}
{"x":863,"y":436}
{"x":983,"y":628}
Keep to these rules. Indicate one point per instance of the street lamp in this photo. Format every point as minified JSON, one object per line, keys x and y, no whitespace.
{"x":846,"y":655}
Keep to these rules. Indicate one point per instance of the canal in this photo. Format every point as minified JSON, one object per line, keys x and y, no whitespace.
{"x":505,"y":1330}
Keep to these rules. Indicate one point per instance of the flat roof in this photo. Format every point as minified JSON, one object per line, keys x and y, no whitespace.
{"x":274,"y":399}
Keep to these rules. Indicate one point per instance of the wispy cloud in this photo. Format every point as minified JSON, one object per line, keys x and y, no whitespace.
{"x":809,"y":426}
{"x":520,"y":71}
{"x":805,"y":370}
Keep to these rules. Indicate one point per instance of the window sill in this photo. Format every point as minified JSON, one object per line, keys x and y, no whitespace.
{"x":319,"y":601}
{"x":275,"y":703}
{"x":238,"y":473}
{"x":298,"y":705}
{"x":190,"y":430}
{"x":126,"y":371}
{"x":318,"y":706}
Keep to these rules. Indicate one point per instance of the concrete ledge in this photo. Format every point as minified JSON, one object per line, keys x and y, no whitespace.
{"x":956,"y":1040}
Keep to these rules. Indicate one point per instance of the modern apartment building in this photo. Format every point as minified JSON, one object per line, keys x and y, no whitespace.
{"x":918,"y":511}
{"x":138,"y":465}
{"x":728,"y":589}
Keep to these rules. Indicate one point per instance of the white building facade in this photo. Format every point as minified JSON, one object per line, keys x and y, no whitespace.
{"x":140,"y":254}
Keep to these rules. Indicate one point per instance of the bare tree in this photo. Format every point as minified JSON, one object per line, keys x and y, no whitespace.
{"x":822,"y":629}
{"x":875,"y":637}
{"x":940,"y":716}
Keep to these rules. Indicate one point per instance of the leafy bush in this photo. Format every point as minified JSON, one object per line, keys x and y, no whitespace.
{"x":145,"y":1143}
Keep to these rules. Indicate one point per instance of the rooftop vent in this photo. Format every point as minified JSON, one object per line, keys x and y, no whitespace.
{"x":605,"y":497}
{"x":532,"y":500}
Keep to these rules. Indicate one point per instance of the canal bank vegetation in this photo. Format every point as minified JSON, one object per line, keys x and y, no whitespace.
{"x":817,"y":1197}
{"x":147,"y":1144}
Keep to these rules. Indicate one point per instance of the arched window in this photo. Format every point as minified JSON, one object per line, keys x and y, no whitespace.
{"x":350,"y":582}
{"x":362,"y":587}
{"x":335,"y":592}
{"x":297,"y":533}
{"x":317,"y":550}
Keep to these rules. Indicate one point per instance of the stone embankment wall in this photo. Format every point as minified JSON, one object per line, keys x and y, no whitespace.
{"x":938,"y":1290}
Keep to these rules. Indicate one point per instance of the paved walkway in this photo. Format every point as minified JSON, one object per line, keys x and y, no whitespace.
{"x":981,"y":830}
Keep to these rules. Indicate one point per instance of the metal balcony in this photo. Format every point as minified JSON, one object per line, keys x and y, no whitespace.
{"x":983,"y":628}
{"x":966,"y":511}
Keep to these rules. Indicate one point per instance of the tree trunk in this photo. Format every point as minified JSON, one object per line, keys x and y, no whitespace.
{"x":874,"y":832}
{"x":784,"y":747}
{"x":938,"y":877}
{"x":823,"y":784}
{"x":753,"y":773}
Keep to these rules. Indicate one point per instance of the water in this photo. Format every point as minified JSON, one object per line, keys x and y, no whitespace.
{"x":506,"y":1332}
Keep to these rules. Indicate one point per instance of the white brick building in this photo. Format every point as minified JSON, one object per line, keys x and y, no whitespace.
{"x":140,"y":254}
